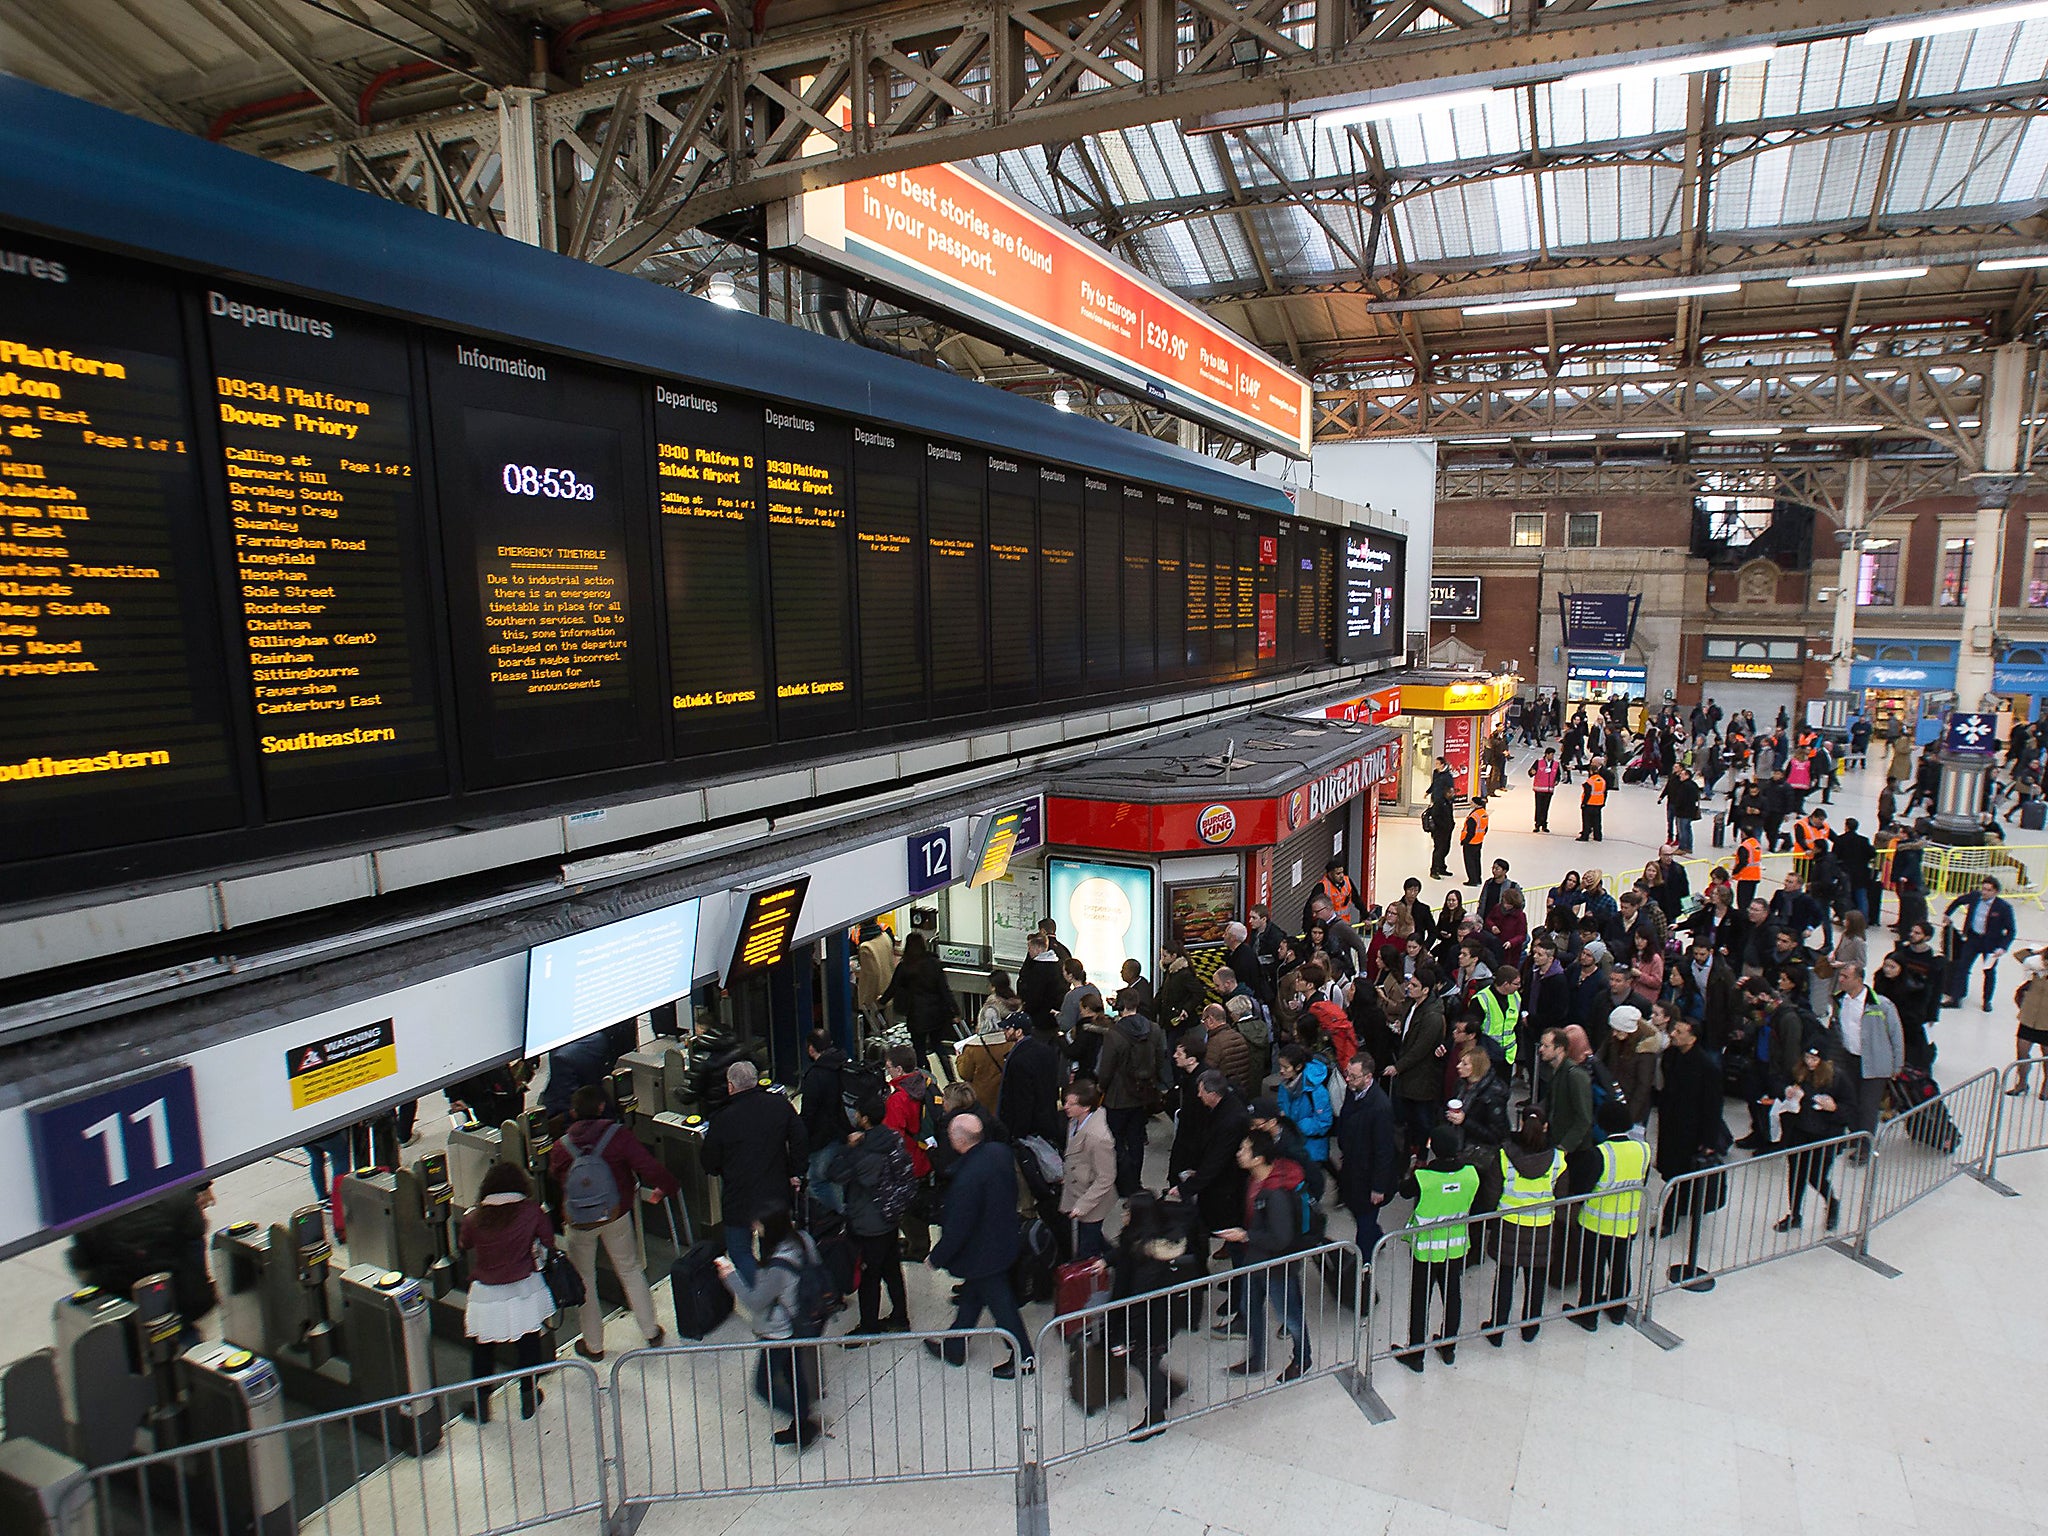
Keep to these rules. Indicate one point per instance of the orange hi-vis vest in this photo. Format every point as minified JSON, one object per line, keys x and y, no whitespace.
{"x":1749,"y":858}
{"x":1596,"y":789}
{"x":1343,"y":897}
{"x":1809,"y":836}
{"x":1475,"y":826}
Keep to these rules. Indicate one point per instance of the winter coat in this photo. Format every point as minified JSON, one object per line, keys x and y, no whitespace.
{"x":1272,"y":1213}
{"x":1029,"y":1099}
{"x":980,"y":1234}
{"x":1042,"y":985}
{"x":1089,"y":1189}
{"x":1181,"y":995}
{"x":1367,"y":1143}
{"x":1415,"y":1075}
{"x":1129,"y":1065}
{"x":1307,"y":1104}
{"x":858,"y":1169}
{"x":756,"y":1144}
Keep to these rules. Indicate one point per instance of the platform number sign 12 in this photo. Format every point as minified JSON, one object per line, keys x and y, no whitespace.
{"x":110,"y":1146}
{"x":931,"y":860}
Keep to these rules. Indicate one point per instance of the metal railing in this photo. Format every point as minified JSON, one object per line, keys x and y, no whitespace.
{"x":372,"y":1470}
{"x":1920,"y":1150}
{"x":2023,"y":1116}
{"x":1120,"y":1367}
{"x":703,"y":1424}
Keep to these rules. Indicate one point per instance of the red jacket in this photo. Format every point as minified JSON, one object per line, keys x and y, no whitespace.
{"x":904,"y":1114}
{"x":1338,"y":1028}
{"x":631,"y":1163}
{"x":501,"y":1239}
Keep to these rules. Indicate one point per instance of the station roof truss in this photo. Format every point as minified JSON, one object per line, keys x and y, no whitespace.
{"x":1495,"y":258}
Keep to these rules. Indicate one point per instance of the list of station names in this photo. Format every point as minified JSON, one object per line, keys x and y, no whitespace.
{"x":807,"y":561}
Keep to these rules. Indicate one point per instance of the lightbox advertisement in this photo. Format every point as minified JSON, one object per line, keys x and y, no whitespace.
{"x":1104,"y":912}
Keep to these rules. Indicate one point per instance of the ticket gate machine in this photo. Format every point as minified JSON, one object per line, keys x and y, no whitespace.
{"x":246,"y":1488}
{"x":402,"y":1219}
{"x":32,"y":1484}
{"x":106,"y":1379}
{"x":387,"y":1332}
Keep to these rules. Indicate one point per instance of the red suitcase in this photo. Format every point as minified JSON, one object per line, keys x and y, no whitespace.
{"x":1076,"y":1288}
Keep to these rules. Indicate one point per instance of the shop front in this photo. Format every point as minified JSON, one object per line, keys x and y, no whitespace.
{"x":1445,"y":714}
{"x":2022,"y":677}
{"x":1594,"y":679}
{"x":1759,"y":673}
{"x":1178,"y":839}
{"x":1904,"y":685}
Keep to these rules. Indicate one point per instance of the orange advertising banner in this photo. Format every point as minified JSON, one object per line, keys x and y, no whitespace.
{"x":949,"y":237}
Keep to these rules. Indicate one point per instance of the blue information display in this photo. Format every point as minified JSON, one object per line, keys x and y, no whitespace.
{"x":110,"y":1146}
{"x":579,"y":985}
{"x":931,"y":860}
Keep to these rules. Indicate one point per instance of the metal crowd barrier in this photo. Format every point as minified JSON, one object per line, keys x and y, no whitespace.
{"x":1946,"y":1138}
{"x":351,"y":1472}
{"x":690,"y":1421}
{"x":1103,"y":1371}
{"x":2022,"y":1117}
{"x":1721,"y":1221}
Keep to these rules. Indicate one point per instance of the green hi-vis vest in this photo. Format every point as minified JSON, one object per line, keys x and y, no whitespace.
{"x":1518,"y":1191}
{"x":1615,"y":1212}
{"x":1500,"y":1022}
{"x":1443,"y":1195}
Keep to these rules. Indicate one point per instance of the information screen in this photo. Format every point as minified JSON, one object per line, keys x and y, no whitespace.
{"x":1013,"y":581}
{"x":1222,"y":591}
{"x":1269,"y":630}
{"x":1102,"y":582}
{"x":1170,"y":616}
{"x":808,"y":564}
{"x":323,"y":513}
{"x":1198,"y":607}
{"x":767,"y":927}
{"x":591,"y":980}
{"x":1245,"y":607}
{"x":1285,"y":576}
{"x":1372,"y":624}
{"x":1061,"y":614}
{"x":113,"y":723}
{"x":887,"y":474}
{"x":956,"y":555}
{"x":1311,"y":644}
{"x":707,"y":470}
{"x":1138,"y":576}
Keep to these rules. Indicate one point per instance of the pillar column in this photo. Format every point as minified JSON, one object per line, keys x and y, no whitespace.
{"x":1855,"y":517}
{"x":519,"y":161}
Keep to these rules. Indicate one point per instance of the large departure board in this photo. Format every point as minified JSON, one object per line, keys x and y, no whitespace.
{"x":1139,"y":574}
{"x":323,"y":492}
{"x":956,"y":555}
{"x":540,"y":471}
{"x":113,"y":724}
{"x":1246,"y":610}
{"x":1102,"y":581}
{"x":1268,"y":545}
{"x":888,"y":469}
{"x":1222,"y":591}
{"x":1062,"y":615}
{"x":1198,"y":605}
{"x":1170,"y":537}
{"x":707,"y":484}
{"x":1012,"y":581}
{"x":808,"y":564}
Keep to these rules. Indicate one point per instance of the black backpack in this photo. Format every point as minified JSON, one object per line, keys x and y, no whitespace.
{"x":818,"y":1298}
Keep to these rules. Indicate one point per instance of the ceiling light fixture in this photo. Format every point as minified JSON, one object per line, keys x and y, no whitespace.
{"x":1402,"y":106}
{"x":1562,"y":437}
{"x":2011,"y":263}
{"x":1867,"y":275}
{"x":1955,"y":21}
{"x":1518,"y":306}
{"x":1646,"y":434}
{"x":1745,"y":432}
{"x":1659,"y":69}
{"x":1684,"y":291}
{"x":1062,"y":401}
{"x":1847,"y":428}
{"x":720,"y":289}
{"x":1479,"y":442}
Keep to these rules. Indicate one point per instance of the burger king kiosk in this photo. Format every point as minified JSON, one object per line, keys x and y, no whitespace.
{"x":1177,"y":838}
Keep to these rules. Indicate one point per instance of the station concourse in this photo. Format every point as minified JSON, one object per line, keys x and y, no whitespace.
{"x":703,"y":638}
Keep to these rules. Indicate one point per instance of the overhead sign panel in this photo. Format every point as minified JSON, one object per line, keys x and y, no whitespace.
{"x":1599,"y":621}
{"x":956,"y":242}
{"x":767,"y":927}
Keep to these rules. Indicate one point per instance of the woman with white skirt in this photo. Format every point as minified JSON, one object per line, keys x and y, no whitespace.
{"x":509,"y":1302}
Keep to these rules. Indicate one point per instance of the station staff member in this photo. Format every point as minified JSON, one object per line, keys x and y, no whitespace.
{"x":1472,"y":838}
{"x":1810,"y":838}
{"x":1749,"y":867}
{"x":1592,"y":801}
{"x":1343,"y":895}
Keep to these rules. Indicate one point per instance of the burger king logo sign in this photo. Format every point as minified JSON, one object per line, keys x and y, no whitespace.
{"x":1216,"y":824}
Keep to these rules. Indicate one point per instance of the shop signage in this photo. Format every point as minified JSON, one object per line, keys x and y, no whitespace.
{"x":1216,"y":824}
{"x":1971,"y":735}
{"x":1454,"y":599}
{"x":1599,"y":670}
{"x":1603,"y":621}
{"x":1869,"y":674}
{"x":1375,"y":708}
{"x":1749,"y":669}
{"x":2021,"y":679}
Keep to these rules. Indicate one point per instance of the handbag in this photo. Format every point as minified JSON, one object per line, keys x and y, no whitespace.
{"x":564,"y":1284}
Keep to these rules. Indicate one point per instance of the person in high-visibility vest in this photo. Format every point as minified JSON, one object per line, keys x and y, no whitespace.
{"x":1592,"y":800}
{"x":1810,"y":838}
{"x":1336,"y":885}
{"x":1473,"y":839}
{"x":1500,"y":1011}
{"x":1608,"y":1220}
{"x":1443,"y":1189}
{"x":1530,"y":1169}
{"x":1543,"y":779}
{"x":1749,"y":868}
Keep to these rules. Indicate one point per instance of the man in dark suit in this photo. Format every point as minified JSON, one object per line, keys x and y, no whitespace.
{"x":1689,"y":1120}
{"x":1370,"y":1146}
{"x":1028,"y":1103}
{"x":1205,"y":1172}
{"x":1985,"y":933}
{"x":980,"y":1240}
{"x":1855,"y":854}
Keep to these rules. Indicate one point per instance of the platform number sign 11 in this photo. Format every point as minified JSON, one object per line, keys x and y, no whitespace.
{"x":111,"y":1145}
{"x":931,"y":860}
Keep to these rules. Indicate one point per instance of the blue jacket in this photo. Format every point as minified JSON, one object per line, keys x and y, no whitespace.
{"x":981,"y":1233}
{"x":1307,"y":1104}
{"x":1998,"y":925}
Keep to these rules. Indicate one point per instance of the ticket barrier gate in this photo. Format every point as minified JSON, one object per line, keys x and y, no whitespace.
{"x":402,"y":1219}
{"x":246,"y":1489}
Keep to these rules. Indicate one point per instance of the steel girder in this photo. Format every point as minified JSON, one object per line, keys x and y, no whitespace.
{"x":1893,"y":483}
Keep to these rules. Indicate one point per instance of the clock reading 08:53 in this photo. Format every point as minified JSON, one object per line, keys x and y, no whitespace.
{"x":559,"y":484}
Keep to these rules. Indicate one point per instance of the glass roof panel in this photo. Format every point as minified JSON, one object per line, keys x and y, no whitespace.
{"x":1482,"y":131}
{"x":1954,"y":165}
{"x":1817,"y":181}
{"x":1625,"y":110}
{"x":1497,"y":216}
{"x":1606,"y":204}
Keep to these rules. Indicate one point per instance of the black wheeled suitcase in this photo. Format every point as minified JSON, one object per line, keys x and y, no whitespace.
{"x":1095,"y":1377}
{"x":701,"y":1300}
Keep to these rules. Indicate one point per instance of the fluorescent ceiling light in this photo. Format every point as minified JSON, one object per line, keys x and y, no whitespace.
{"x":1868,"y":275}
{"x":1685,"y":291}
{"x":1518,"y":306}
{"x":1479,"y":442}
{"x":1402,"y":106}
{"x":1745,"y":431}
{"x":1856,"y":427}
{"x":1648,"y":433}
{"x":1562,"y":437}
{"x":2011,"y":263}
{"x":1955,"y":21}
{"x":1682,"y":64}
{"x":1880,"y":373}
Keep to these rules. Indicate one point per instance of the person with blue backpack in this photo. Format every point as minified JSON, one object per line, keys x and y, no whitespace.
{"x":1280,"y":1219}
{"x":597,"y":1165}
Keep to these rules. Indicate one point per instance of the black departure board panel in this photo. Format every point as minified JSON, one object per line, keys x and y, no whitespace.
{"x":1013,"y":581}
{"x":323,"y":495}
{"x":1170,"y":537}
{"x":1139,"y":572}
{"x":890,"y":541}
{"x":707,"y":484}
{"x":1062,"y":615}
{"x":956,"y":559}
{"x":280,"y":574}
{"x":1102,"y":580}
{"x":809,"y":560}
{"x":113,"y":723}
{"x":541,"y":473}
